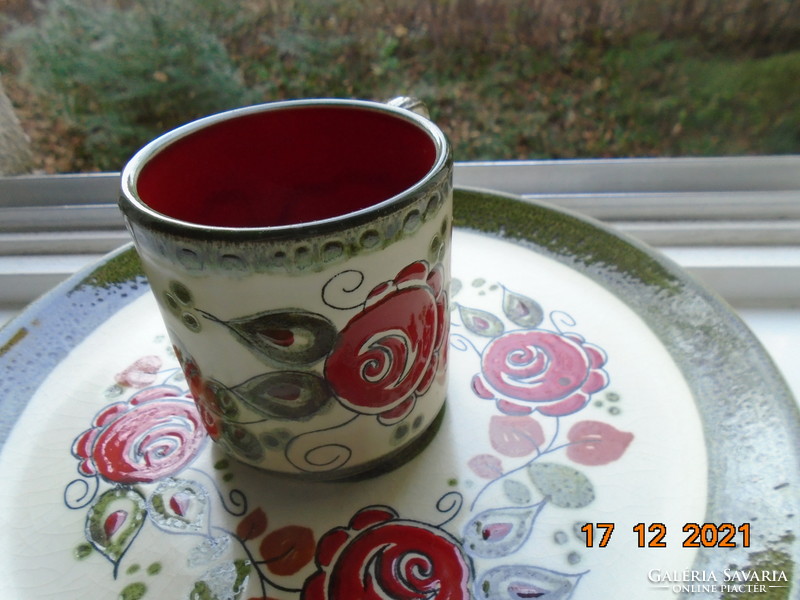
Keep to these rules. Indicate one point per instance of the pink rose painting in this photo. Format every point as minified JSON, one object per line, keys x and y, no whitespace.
{"x":130,"y":460}
{"x":537,"y":370}
{"x":541,"y":380}
{"x":153,"y":435}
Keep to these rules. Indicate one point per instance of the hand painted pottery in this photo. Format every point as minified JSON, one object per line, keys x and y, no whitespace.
{"x":300,"y":255}
{"x":613,"y":431}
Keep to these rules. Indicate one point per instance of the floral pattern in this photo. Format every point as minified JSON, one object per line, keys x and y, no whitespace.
{"x":136,"y":463}
{"x":528,"y":369}
{"x":537,"y":370}
{"x":395,"y":344}
{"x":385,"y":357}
{"x":378,"y":555}
{"x":153,"y":435}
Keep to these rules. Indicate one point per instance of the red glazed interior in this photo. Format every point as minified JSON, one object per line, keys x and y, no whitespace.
{"x":286,"y":166}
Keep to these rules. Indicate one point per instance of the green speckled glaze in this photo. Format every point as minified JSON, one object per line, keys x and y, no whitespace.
{"x":125,"y":267}
{"x":771,"y":561}
{"x":560,"y":234}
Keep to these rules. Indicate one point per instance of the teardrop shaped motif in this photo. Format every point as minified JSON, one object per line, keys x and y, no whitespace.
{"x":496,"y":531}
{"x":113,"y":522}
{"x":523,"y":581}
{"x":279,"y":337}
{"x":285,"y":394}
{"x":179,"y":505}
{"x":522,"y":310}
{"x":480,"y":322}
{"x":499,"y":532}
{"x":284,"y":337}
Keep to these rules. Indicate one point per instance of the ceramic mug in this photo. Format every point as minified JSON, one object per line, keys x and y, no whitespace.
{"x":299,"y":253}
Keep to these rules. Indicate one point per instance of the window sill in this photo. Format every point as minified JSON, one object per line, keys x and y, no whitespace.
{"x":732,"y":223}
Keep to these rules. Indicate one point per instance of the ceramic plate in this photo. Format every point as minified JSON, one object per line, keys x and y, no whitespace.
{"x":612,"y":431}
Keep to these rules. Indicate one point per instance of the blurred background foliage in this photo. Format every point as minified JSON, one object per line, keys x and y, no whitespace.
{"x":92,"y":80}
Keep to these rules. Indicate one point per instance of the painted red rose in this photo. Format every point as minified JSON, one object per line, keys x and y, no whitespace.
{"x":204,"y":395}
{"x":153,"y":435}
{"x":380,"y":557}
{"x":389,"y":353}
{"x":538,"y":370}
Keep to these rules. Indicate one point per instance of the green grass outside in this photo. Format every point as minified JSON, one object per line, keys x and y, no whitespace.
{"x":506,"y":79}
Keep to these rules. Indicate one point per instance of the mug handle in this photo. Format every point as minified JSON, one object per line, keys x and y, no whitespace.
{"x":412,"y":104}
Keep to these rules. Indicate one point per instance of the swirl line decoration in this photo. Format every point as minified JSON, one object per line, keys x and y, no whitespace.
{"x":338,"y":292}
